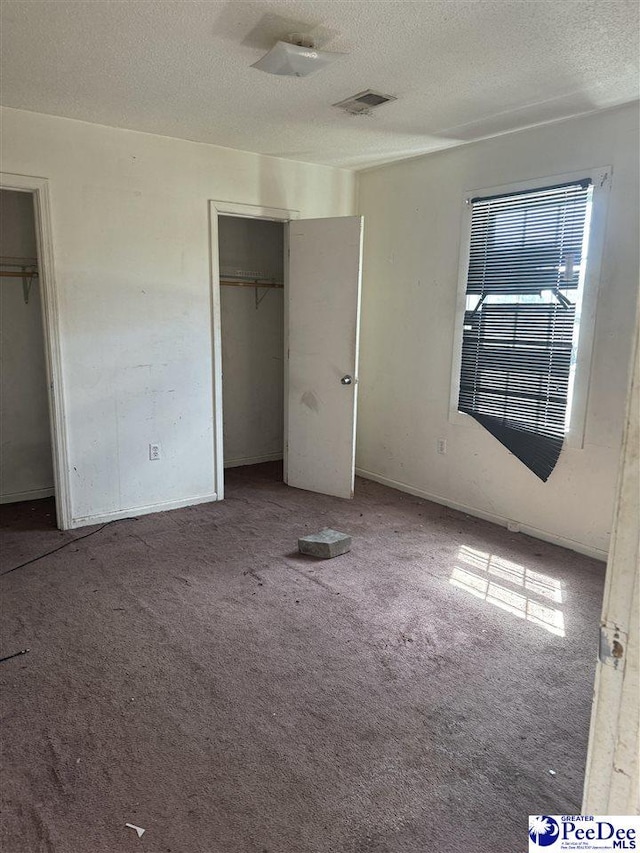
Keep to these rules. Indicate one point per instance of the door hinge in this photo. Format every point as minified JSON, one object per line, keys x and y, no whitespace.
{"x":605,"y":179}
{"x":613,"y":646}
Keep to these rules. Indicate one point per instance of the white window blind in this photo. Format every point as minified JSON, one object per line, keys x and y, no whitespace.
{"x":526,"y":262}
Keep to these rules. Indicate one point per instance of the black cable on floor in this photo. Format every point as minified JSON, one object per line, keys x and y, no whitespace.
{"x":53,"y":550}
{"x":14,"y":655}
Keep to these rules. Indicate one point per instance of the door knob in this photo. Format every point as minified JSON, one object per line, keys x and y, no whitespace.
{"x":346,"y":380}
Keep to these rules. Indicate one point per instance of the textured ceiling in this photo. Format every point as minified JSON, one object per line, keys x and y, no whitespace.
{"x":461,"y":70}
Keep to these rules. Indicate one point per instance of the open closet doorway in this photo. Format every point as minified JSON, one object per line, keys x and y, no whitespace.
{"x":251,"y":258}
{"x":315,"y":325}
{"x":31,"y":360}
{"x":26,"y":464}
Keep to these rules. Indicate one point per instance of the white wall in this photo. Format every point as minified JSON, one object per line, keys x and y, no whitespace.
{"x":131,"y":248}
{"x":413,"y":214}
{"x":252,"y":342}
{"x":26,"y":470}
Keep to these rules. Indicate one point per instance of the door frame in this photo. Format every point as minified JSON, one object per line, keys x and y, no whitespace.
{"x":611,"y":773}
{"x":49,"y":299}
{"x":245,"y":211}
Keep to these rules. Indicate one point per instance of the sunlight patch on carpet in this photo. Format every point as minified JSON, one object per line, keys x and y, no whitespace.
{"x":527,"y":596}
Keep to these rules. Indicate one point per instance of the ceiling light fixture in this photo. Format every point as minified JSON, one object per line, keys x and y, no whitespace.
{"x":295,"y":58}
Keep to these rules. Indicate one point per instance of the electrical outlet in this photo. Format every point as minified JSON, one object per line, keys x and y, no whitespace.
{"x":442,"y":445}
{"x":154,"y":452}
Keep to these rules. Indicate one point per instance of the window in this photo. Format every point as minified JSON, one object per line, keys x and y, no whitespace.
{"x":524,"y":282}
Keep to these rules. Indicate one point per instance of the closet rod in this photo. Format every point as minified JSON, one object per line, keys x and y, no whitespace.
{"x":235,"y":283}
{"x":18,"y":274}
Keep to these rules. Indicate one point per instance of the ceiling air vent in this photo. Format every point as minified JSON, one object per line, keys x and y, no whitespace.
{"x":364,"y":102}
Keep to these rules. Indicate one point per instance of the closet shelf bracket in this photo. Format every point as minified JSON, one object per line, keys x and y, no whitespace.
{"x":259,"y":298}
{"x":19,"y":269}
{"x":27,"y":281}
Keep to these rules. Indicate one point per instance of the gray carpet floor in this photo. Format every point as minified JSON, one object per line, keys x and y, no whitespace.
{"x":193,"y":675}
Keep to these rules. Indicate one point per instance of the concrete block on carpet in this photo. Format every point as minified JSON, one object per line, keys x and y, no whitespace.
{"x":328,"y":543}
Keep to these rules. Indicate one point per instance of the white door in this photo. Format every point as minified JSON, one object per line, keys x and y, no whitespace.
{"x":323,"y":321}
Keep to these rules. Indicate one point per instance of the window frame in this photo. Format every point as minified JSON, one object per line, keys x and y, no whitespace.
{"x":601,"y":180}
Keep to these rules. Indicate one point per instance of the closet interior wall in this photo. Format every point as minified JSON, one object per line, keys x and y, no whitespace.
{"x":252,"y":320}
{"x":26,"y":468}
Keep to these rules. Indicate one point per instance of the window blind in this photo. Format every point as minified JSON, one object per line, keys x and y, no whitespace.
{"x":525,"y":264}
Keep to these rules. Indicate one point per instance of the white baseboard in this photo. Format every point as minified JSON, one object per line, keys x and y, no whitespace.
{"x":33,"y":495}
{"x":554,"y":539}
{"x":253,"y":460}
{"x":101,"y":518}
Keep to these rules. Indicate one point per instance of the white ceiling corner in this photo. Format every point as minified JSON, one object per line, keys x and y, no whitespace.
{"x":460,"y":70}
